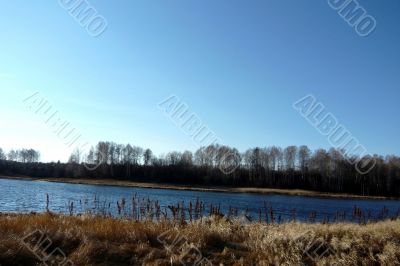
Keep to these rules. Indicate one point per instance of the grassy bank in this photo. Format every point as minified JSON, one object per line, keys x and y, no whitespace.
{"x":104,"y":241}
{"x":112,"y":182}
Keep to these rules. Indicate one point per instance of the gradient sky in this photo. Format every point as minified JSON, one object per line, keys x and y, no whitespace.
{"x":239,"y":65}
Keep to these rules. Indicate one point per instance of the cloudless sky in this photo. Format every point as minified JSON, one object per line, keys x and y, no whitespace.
{"x":239,"y":65}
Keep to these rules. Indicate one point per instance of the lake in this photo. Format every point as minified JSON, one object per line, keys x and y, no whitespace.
{"x":22,"y":196}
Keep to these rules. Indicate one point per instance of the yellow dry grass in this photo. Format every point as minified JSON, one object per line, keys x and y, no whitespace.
{"x":104,"y":241}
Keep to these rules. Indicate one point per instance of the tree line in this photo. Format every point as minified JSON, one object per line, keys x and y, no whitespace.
{"x":22,"y":155}
{"x":292,"y":167}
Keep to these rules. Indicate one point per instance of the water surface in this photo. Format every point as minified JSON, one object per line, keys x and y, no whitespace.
{"x":26,"y":196}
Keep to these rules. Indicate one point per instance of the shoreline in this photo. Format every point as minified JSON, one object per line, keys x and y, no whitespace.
{"x":252,"y":190}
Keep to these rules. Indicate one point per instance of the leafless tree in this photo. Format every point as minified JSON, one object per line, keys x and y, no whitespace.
{"x":174,"y":158}
{"x":90,"y":156}
{"x":76,"y":156}
{"x":2,"y":155}
{"x":304,"y":158}
{"x":270,"y":167}
{"x":187,"y":158}
{"x":147,"y":156}
{"x":275,"y":154}
{"x":12,"y":155}
{"x":137,"y":153}
{"x":200,"y":157}
{"x":290,"y":157}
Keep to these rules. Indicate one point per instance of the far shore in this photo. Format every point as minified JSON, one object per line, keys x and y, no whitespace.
{"x":123,"y":183}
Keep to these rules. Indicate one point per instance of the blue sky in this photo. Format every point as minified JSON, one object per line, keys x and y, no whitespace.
{"x":239,"y":65}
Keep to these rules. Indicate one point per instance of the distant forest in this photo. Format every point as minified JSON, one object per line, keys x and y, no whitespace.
{"x":272,"y":167}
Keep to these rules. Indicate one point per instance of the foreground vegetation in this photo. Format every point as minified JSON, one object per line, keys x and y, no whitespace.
{"x":91,"y":240}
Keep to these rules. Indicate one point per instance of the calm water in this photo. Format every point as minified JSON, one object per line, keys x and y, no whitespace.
{"x":26,"y":196}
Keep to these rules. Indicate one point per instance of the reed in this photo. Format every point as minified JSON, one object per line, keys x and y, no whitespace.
{"x":96,"y":240}
{"x":145,"y":209}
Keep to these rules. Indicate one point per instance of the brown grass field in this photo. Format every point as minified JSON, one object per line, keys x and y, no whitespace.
{"x":89,"y":240}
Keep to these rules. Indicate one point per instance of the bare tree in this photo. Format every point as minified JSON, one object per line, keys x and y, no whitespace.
{"x":265,"y":159}
{"x":174,"y":158}
{"x":200,"y":157}
{"x":127,"y":154}
{"x":318,"y":170}
{"x":320,"y":161}
{"x":112,"y":151}
{"x":211,"y":154}
{"x":187,"y":158}
{"x":275,"y":154}
{"x":12,"y":155}
{"x":304,"y":158}
{"x":76,"y":156}
{"x":248,"y":158}
{"x":2,"y":155}
{"x":147,"y":156}
{"x":137,"y":153}
{"x":290,"y":157}
{"x":90,"y":156}
{"x":102,"y":153}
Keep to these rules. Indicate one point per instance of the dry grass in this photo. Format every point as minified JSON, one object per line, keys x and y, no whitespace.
{"x":106,"y":241}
